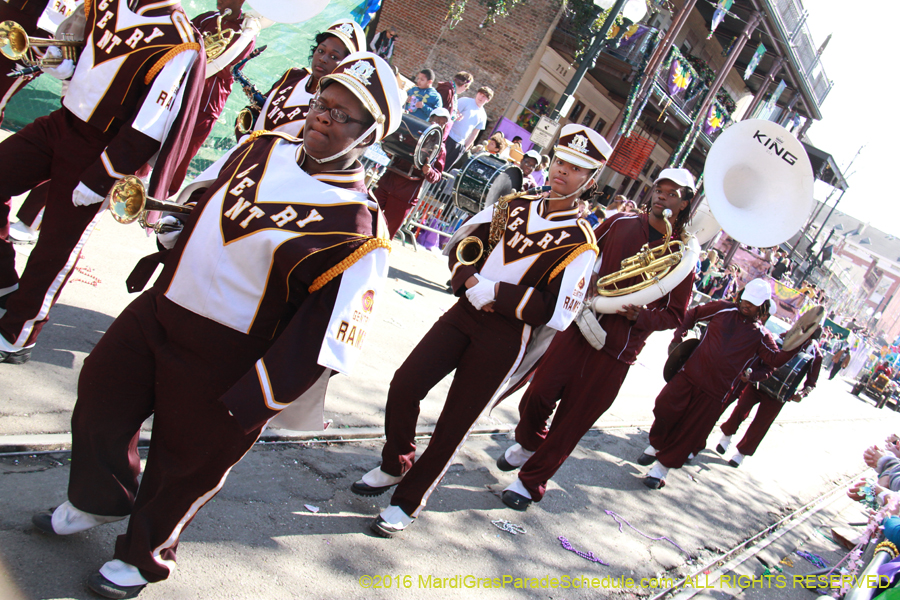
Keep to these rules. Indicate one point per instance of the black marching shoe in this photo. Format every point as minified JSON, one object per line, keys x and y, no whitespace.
{"x":515,"y":500}
{"x":364,"y":489}
{"x":504,"y":465}
{"x":44,"y":522}
{"x":102,"y":586}
{"x":16,"y":358}
{"x":646,"y":460}
{"x":654,"y":483}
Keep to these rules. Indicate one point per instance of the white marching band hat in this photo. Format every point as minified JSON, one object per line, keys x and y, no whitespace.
{"x":350,"y":33}
{"x":582,"y":147}
{"x":370,"y":79}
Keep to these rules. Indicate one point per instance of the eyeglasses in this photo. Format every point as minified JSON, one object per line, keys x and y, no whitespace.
{"x":337,"y":114}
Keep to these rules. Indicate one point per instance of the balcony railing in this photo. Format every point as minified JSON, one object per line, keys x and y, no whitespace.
{"x":792,"y":18}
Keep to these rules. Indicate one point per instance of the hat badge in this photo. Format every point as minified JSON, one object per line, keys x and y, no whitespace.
{"x":346,"y":29}
{"x":362,"y":71}
{"x":579,"y":144}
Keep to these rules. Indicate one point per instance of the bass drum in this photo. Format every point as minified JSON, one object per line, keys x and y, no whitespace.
{"x":415,"y":140}
{"x":483,"y":180}
{"x":785,"y":381}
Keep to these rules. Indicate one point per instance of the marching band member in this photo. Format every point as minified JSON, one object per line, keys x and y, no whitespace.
{"x":688,"y":406}
{"x":536,"y":275}
{"x":219,"y":78}
{"x":529,"y":163}
{"x":287,"y":103}
{"x":268,"y":289}
{"x":769,"y":407}
{"x":583,"y":371}
{"x":112,"y":122}
{"x":398,"y":189}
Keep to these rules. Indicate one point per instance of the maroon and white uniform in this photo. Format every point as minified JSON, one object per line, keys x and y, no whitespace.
{"x":287,"y":103}
{"x":768,"y":407}
{"x":542,"y":263}
{"x":586,"y":381}
{"x":688,"y":406}
{"x":269,"y":288}
{"x":132,"y":95}
{"x":219,"y":80}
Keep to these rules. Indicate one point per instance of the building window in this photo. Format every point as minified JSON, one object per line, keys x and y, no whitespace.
{"x":588,"y":118}
{"x":599,"y":125}
{"x":647,"y":166}
{"x":576,"y":112}
{"x":540,"y":103}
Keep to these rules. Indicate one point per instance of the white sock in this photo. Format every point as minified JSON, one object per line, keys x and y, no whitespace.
{"x":738,"y":457}
{"x":121,"y":573}
{"x":378,"y":478}
{"x":725,"y":441}
{"x":658,"y":471}
{"x":650,"y":450}
{"x":394,"y":516}
{"x":692,"y":456}
{"x":519,"y":488}
{"x":517,"y":456}
{"x":67,"y":519}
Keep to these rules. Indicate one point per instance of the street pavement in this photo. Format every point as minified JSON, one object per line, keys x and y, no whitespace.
{"x":286,"y":526}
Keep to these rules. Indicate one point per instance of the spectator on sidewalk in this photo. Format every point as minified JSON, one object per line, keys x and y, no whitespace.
{"x":472,"y":119}
{"x":383,"y":43}
{"x":423,"y":98}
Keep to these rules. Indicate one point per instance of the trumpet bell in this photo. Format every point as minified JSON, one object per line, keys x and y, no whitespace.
{"x":13,"y":40}
{"x":127,"y":199}
{"x":759,"y":182}
{"x":470,"y":250}
{"x":294,"y":11}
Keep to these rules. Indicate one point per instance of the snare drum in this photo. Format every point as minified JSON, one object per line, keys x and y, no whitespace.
{"x":415,"y":140}
{"x":483,"y":180}
{"x":785,"y":381}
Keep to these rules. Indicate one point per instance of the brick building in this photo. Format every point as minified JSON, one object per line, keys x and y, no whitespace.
{"x":497,"y":56}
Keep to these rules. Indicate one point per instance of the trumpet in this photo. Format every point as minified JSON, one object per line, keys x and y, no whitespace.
{"x":471,"y":250}
{"x":216,"y":43}
{"x":129,"y":202}
{"x":16,"y":45}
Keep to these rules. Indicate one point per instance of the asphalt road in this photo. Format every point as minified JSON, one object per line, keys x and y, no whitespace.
{"x":262,"y":536}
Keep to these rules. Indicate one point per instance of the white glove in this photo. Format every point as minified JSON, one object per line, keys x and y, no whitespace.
{"x":63,"y":70}
{"x":169,"y":238}
{"x":85,"y":196}
{"x":590,"y":327}
{"x":481,"y":293}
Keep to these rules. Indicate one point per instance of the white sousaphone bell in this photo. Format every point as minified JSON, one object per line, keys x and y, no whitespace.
{"x":759,"y":190}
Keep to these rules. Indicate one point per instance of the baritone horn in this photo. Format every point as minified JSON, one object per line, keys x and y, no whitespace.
{"x":129,"y":202}
{"x":16,"y":45}
{"x":216,"y":43}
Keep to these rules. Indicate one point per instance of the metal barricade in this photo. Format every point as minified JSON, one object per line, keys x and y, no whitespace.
{"x":435,"y":213}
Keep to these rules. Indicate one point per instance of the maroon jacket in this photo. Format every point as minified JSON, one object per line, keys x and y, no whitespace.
{"x":447,"y":90}
{"x":620,"y":237}
{"x":732,"y":343}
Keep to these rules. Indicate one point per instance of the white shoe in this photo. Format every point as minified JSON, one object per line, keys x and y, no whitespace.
{"x":20,"y":232}
{"x":736,"y":460}
{"x":723,"y":444}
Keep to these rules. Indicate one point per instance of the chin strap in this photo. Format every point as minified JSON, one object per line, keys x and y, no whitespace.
{"x":345,"y":150}
{"x":578,"y":191}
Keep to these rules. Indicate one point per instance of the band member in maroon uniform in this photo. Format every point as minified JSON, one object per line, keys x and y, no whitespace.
{"x":768,"y":408}
{"x":112,"y":122}
{"x":219,"y":78}
{"x":536,"y":275}
{"x":267,"y":290}
{"x":584,"y":371}
{"x":288,"y":101}
{"x":688,"y":406}
{"x":398,"y":189}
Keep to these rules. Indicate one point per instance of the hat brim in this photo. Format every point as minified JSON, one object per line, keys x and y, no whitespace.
{"x":577,"y":158}
{"x":754,"y":299}
{"x":678,"y":183}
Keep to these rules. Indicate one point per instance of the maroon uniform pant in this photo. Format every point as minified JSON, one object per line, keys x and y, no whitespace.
{"x":202,"y":129}
{"x":483,"y":348}
{"x":396,"y":196}
{"x":683,"y":416}
{"x":33,"y":205}
{"x":162,"y":360}
{"x":765,"y":415}
{"x":585,"y":381}
{"x":57,"y":147}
